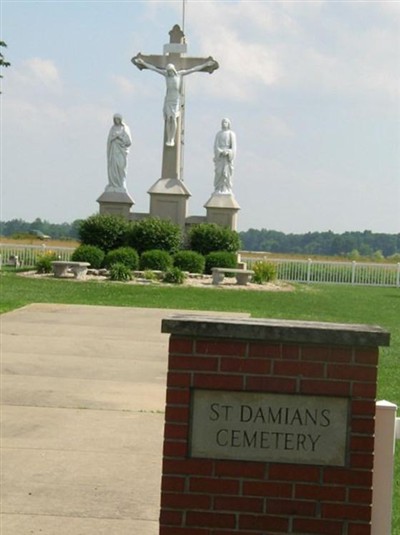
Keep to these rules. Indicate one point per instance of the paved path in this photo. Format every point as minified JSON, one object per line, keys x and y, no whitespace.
{"x":83,"y":392}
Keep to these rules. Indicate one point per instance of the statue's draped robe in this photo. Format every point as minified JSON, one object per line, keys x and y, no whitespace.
{"x":117,"y":152}
{"x":225,"y":142}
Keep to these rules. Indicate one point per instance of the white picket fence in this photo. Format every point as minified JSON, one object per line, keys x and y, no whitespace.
{"x":290,"y":270}
{"x":27,"y":255}
{"x":313,"y":271}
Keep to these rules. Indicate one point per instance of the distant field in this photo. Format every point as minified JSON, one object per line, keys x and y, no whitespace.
{"x":263,"y":255}
{"x":36,"y":241}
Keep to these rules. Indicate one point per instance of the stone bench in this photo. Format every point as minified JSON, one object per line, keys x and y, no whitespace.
{"x":13,"y":261}
{"x":242,"y":275}
{"x":61,"y":268}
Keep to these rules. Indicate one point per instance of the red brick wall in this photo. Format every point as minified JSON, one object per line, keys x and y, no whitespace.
{"x":220,"y":497}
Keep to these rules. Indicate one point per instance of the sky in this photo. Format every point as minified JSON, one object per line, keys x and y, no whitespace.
{"x":312,"y":89}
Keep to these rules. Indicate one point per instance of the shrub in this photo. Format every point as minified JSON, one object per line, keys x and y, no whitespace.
{"x":190,"y":261}
{"x":154,"y":233}
{"x":120,"y":272}
{"x":209,"y":237}
{"x":174,"y":275}
{"x":89,"y":253}
{"x":263,"y":272}
{"x":149,"y":275}
{"x":105,"y":231}
{"x":395,"y":257}
{"x":123,"y":255}
{"x":43,"y":262}
{"x":220,"y":259}
{"x":156,"y":259}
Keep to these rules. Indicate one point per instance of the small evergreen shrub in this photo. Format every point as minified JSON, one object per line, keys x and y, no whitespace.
{"x":263,"y":272}
{"x":89,"y":253}
{"x":209,"y":237}
{"x":156,"y":260}
{"x":43,"y":263}
{"x":120,"y":272}
{"x":154,"y":233}
{"x":105,"y":231}
{"x":220,"y":259}
{"x":174,"y":275}
{"x":124,"y":255}
{"x":190,"y":261}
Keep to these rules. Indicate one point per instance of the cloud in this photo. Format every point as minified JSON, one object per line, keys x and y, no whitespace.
{"x":124,"y":85}
{"x":370,"y":66}
{"x":245,"y":64}
{"x":37,"y":99}
{"x":333,"y":48}
{"x":44,"y":71}
{"x":35,"y":79}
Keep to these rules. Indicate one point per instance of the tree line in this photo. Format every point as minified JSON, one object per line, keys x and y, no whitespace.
{"x":366,"y":243}
{"x":17,"y":228}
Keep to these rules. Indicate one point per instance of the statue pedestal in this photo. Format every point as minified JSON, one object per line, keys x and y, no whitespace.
{"x":222,"y":209}
{"x":169,"y":200}
{"x":115,"y":203}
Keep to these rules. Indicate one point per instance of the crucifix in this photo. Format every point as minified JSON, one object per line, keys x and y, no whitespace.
{"x":174,"y":65}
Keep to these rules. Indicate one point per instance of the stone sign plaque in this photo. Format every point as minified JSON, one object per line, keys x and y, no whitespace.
{"x":267,"y":427}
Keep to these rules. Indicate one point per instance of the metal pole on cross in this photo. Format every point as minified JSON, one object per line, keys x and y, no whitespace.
{"x":183,"y":15}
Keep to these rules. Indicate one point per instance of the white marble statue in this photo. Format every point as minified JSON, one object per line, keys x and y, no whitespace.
{"x":118,"y":143}
{"x":172,"y":101}
{"x":224,"y":155}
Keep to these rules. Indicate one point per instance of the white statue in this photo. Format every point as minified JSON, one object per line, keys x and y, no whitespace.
{"x":224,"y":154}
{"x":118,"y":143}
{"x":172,"y":101}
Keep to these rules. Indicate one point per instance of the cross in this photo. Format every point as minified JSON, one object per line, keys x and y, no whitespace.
{"x":174,"y":65}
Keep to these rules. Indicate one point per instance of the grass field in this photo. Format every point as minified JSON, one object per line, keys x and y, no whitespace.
{"x":344,"y":304}
{"x":32,"y":240}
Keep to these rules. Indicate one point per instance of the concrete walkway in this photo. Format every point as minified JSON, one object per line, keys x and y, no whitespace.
{"x":83,"y":394}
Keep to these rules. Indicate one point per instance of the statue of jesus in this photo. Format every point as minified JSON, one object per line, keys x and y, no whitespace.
{"x":172,"y":101}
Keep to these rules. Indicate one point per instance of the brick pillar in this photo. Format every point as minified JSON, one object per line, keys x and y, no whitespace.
{"x":269,"y":427}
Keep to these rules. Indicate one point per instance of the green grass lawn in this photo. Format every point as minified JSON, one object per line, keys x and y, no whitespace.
{"x":332,"y":303}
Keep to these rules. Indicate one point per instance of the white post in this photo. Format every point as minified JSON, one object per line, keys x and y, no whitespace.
{"x":353,"y":272}
{"x":382,"y":479}
{"x":309,"y":270}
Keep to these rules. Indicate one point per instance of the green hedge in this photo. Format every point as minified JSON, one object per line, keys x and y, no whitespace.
{"x":209,"y":237}
{"x":154,"y":233}
{"x":156,"y":260}
{"x":89,"y":253}
{"x":220,"y":259}
{"x":190,"y":261}
{"x":105,"y":231}
{"x":124,"y":255}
